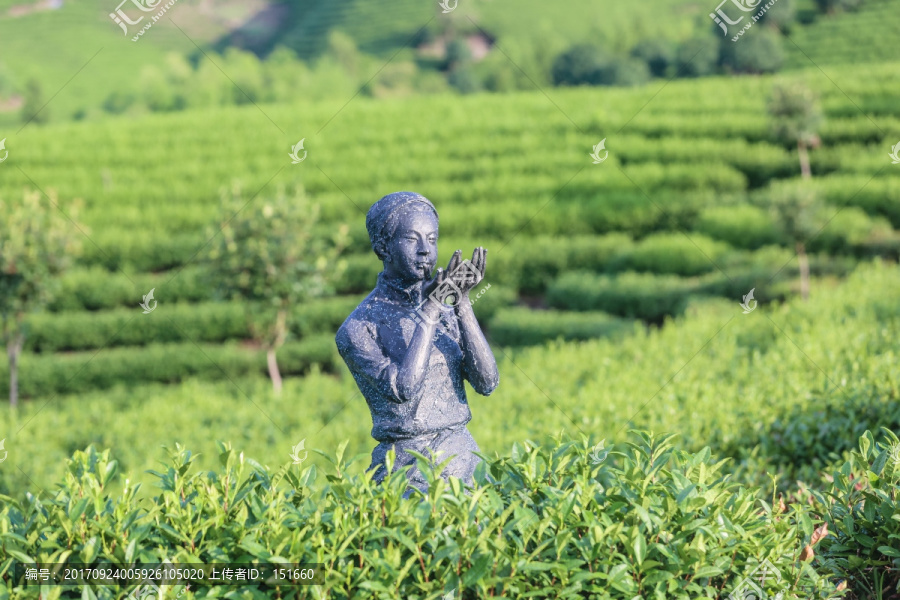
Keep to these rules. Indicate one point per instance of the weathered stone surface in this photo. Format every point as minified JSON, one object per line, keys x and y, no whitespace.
{"x":414,"y":339}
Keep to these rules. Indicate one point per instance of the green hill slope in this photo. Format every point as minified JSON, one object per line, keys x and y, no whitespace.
{"x":669,"y":216}
{"x":870,"y":34}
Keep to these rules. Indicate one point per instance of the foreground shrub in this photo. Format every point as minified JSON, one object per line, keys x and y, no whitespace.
{"x":863,"y":514}
{"x":643,"y":521}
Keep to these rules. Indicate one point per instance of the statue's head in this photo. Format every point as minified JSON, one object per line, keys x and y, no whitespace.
{"x":403,"y":229}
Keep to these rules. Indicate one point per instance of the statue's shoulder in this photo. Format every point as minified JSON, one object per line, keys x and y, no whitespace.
{"x":362,"y":319}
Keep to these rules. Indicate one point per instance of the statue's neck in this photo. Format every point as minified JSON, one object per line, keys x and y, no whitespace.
{"x":407,"y":289}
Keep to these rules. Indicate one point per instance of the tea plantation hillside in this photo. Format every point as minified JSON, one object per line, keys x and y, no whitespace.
{"x":866,"y":35}
{"x":619,"y":299}
{"x":674,"y":213}
{"x":785,"y":389}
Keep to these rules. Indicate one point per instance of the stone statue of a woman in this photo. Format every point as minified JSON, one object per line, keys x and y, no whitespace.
{"x":414,"y":339}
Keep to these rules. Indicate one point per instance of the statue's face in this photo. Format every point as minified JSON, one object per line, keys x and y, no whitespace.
{"x":413,"y":247}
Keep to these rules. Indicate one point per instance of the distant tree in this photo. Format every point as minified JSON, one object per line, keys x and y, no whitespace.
{"x":497,"y":74}
{"x":799,"y":214}
{"x":582,"y":64}
{"x":658,"y":54}
{"x":458,"y":63}
{"x":835,"y":6}
{"x":118,"y":102}
{"x":7,"y":81}
{"x":629,"y":71}
{"x":782,"y":15}
{"x":270,"y":256}
{"x":246,"y":71}
{"x":697,"y":56}
{"x":33,"y":109}
{"x":759,"y":51}
{"x":343,"y":49}
{"x":796,"y":117}
{"x":458,"y":53}
{"x":464,"y":79}
{"x":156,"y":91}
{"x":37,"y":243}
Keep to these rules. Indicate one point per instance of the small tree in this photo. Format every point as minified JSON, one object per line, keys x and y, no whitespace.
{"x":582,"y":64}
{"x":658,"y":54}
{"x":697,"y":57}
{"x":796,"y":117}
{"x":33,"y":103}
{"x":37,"y":243}
{"x":759,"y":51}
{"x":798,"y":212}
{"x":834,"y":6}
{"x":270,"y":257}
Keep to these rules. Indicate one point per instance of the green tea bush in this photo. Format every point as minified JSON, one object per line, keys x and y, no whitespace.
{"x":676,"y":253}
{"x":532,"y":264}
{"x":141,"y":250}
{"x":633,"y":295}
{"x":643,"y":520}
{"x":637,"y":214}
{"x":862,"y":509}
{"x":742,"y":226}
{"x":49,"y":375}
{"x":879,"y":196}
{"x":95,"y":288}
{"x":360,"y":275}
{"x":850,"y":231}
{"x":521,"y":326}
{"x":769,"y":270}
{"x":804,"y":439}
{"x":201,"y":322}
{"x":493,"y":299}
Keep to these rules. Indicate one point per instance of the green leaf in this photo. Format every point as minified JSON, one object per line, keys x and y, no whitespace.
{"x":90,"y":550}
{"x":480,"y":567}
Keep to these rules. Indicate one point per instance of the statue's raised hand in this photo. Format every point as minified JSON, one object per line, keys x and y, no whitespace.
{"x":467,"y":274}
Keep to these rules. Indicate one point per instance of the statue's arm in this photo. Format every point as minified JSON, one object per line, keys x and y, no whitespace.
{"x":359,"y":346}
{"x":411,"y":378}
{"x":479,"y":364}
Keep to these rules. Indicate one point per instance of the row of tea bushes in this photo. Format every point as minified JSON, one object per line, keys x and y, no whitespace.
{"x":82,"y":372}
{"x":641,"y":519}
{"x":784,"y":379}
{"x":772,"y":274}
{"x":521,"y":326}
{"x":168,"y":323}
